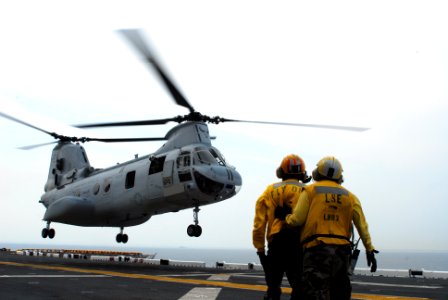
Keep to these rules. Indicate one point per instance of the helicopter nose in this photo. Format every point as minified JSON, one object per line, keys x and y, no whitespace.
{"x":220,"y":181}
{"x":237,"y":179}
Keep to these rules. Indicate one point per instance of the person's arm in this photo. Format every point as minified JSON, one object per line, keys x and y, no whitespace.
{"x":361,"y":225}
{"x":300,"y":212}
{"x":260,"y":221}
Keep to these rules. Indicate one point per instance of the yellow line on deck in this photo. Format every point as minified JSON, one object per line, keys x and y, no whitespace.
{"x":188,"y":281}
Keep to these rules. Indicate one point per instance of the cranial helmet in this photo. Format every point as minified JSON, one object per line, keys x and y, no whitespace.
{"x":291,"y":165}
{"x":328,"y":167}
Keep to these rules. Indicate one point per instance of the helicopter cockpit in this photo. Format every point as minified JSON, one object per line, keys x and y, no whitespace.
{"x":208,"y":156}
{"x":209,"y":169}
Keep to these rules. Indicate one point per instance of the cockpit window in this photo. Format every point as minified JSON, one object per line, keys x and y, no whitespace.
{"x":208,"y":156}
{"x":218,"y":156}
{"x":183,"y":160}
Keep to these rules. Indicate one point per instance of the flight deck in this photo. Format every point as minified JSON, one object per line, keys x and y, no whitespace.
{"x":44,"y":277}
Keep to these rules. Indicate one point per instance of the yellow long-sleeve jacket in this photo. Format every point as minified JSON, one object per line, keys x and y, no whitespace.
{"x":326,"y":210}
{"x":265,"y":225}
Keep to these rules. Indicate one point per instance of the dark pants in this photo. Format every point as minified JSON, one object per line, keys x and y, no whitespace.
{"x":284,"y":257}
{"x":325,"y":272}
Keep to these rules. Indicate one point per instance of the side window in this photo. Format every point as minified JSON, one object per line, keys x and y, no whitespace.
{"x":183,"y":160}
{"x":130,"y":180}
{"x":156,"y":165}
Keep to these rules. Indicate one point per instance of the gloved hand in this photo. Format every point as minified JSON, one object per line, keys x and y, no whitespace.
{"x":281,"y":212}
{"x":371,"y":259}
{"x":263,"y":258}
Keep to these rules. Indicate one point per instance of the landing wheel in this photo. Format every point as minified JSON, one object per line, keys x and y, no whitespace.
{"x":122,"y":237}
{"x":48,"y":232}
{"x":194,"y":230}
{"x":51,"y":233}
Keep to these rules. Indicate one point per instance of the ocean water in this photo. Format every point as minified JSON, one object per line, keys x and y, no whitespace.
{"x":392,"y":259}
{"x":433,"y":261}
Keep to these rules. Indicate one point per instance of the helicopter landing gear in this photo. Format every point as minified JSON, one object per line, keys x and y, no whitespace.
{"x":48,"y":232}
{"x":195,"y":230}
{"x":122,"y":237}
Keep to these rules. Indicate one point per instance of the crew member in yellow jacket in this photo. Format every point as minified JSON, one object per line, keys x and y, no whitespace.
{"x":325,"y":211}
{"x":283,"y":244}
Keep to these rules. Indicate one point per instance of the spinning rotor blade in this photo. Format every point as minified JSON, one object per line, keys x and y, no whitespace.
{"x":349,"y":128}
{"x":196,"y":116}
{"x":121,"y":140}
{"x":87,"y":139}
{"x":29,"y":147}
{"x":64,"y":138}
{"x":128,"y":123}
{"x":26,"y":124}
{"x":134,"y":37}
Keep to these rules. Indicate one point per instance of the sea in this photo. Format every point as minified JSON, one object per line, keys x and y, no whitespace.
{"x":387,"y":259}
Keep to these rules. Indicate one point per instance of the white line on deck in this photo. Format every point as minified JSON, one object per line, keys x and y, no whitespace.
{"x":397,"y":285}
{"x":201,"y":293}
{"x":219,"y":277}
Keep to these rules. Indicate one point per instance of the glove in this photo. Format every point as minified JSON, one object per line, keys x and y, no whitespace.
{"x":281,"y":212}
{"x":263,"y":258}
{"x":371,"y":260}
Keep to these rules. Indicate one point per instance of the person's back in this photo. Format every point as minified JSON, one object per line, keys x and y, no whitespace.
{"x":326,"y":211}
{"x":330,"y":215}
{"x":284,"y":251}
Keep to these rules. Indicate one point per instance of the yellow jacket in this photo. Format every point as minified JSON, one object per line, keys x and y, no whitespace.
{"x":265,"y":225}
{"x":326,"y":211}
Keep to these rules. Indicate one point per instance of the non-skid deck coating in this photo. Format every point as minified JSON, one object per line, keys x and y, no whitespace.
{"x":25,"y":277}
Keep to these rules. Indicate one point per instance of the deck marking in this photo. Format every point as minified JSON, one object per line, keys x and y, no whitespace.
{"x":219,"y":277}
{"x":201,"y":293}
{"x":185,"y":280}
{"x":383,"y":297}
{"x":53,"y":276}
{"x":398,"y":285}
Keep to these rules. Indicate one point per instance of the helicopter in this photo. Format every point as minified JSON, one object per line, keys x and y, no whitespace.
{"x":186,"y":172}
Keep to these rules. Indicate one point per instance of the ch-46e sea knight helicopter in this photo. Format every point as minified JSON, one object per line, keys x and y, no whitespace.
{"x":186,"y":172}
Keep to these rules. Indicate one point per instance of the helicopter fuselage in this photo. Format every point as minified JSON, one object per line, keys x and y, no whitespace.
{"x":130,"y":193}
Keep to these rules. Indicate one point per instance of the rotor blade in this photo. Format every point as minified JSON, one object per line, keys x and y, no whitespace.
{"x":26,"y":124}
{"x":349,"y":128}
{"x":105,"y":140}
{"x":128,"y":123}
{"x":121,"y":140}
{"x":37,"y":145}
{"x":135,"y":38}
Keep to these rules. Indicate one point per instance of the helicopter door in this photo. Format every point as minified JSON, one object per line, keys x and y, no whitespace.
{"x":167,"y":174}
{"x":170,"y":187}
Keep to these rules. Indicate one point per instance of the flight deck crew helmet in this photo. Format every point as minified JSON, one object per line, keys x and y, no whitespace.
{"x":292,"y":166}
{"x":329,"y":168}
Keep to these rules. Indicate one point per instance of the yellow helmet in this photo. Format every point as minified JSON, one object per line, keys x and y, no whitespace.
{"x":328,"y":167}
{"x":291,"y":164}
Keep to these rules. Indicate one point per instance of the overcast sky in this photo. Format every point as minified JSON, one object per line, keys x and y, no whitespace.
{"x":378,"y":64}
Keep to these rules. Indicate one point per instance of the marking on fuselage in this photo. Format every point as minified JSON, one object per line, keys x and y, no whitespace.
{"x":201,"y":293}
{"x":186,"y":280}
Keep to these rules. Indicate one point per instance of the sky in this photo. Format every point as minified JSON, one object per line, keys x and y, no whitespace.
{"x":376,"y":64}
